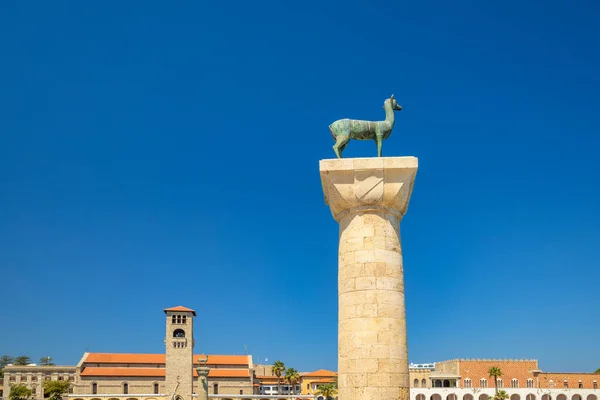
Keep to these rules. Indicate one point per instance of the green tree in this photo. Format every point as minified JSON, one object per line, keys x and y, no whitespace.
{"x":278,"y":369}
{"x":54,"y":390}
{"x":46,"y":361}
{"x":495,"y":373}
{"x":328,"y":390}
{"x":292,"y":376}
{"x":19,"y":392}
{"x":4,"y":361}
{"x":501,"y":395}
{"x":597,"y":371}
{"x":22,"y":360}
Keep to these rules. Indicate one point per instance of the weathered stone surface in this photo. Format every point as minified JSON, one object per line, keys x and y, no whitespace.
{"x":368,"y":197}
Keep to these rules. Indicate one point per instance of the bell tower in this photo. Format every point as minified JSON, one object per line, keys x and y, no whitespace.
{"x":179,"y":342}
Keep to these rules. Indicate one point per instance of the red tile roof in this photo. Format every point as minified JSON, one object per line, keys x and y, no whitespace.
{"x":180,"y":309}
{"x":225,"y":360}
{"x":321,"y":373}
{"x":123,"y":358}
{"x":95,"y":371}
{"x":160,"y":372}
{"x":324,"y":380}
{"x":228,"y":373}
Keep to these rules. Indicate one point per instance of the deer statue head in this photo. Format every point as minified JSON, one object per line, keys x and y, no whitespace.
{"x":393,"y":103}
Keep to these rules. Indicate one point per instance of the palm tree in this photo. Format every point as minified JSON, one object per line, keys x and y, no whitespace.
{"x":495,"y":373}
{"x":292,"y":376}
{"x":277,"y":369}
{"x":501,"y":395}
{"x":327,"y":390}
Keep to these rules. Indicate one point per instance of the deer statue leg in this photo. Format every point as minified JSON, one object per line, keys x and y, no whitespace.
{"x":379,"y":140}
{"x":340,"y":144}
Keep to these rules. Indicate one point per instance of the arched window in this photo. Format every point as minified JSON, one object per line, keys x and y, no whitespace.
{"x":416,"y":383}
{"x":423,"y":383}
{"x":467,"y":383}
{"x":179,"y":333}
{"x":216,"y":388}
{"x":483,"y":383}
{"x":530,"y":383}
{"x":183,"y":321}
{"x":125,"y":388}
{"x":173,"y":319}
{"x":156,"y":388}
{"x":179,"y":319}
{"x":595,"y":384}
{"x":566,"y":383}
{"x":241,"y":391}
{"x":500,"y":383}
{"x":580,"y":385}
{"x":94,"y":388}
{"x":514,"y":383}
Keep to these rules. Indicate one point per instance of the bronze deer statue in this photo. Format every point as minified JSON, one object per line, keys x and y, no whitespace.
{"x":343,"y":130}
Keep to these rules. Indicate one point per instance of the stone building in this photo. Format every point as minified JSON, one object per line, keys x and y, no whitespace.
{"x":522,"y":379}
{"x":168,"y":376}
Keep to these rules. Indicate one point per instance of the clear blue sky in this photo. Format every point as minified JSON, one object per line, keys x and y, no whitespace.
{"x":157,"y":154}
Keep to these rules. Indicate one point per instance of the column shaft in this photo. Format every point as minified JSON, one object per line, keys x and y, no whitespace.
{"x":372,"y":347}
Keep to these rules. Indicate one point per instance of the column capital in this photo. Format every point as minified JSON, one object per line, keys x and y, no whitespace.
{"x":203,"y":371}
{"x":378,"y":184}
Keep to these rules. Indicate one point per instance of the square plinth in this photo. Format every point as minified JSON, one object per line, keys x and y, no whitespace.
{"x":350,"y":183}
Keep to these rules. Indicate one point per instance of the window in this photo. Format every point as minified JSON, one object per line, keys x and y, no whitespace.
{"x":125,"y":388}
{"x":179,"y":319}
{"x":156,"y":388}
{"x":566,"y":383}
{"x":34,"y":378}
{"x":423,"y":383}
{"x":34,"y":390}
{"x":416,"y":383}
{"x":60,"y":378}
{"x":179,"y":333}
{"x":595,"y":384}
{"x":483,"y":383}
{"x":241,"y":391}
{"x":308,"y":386}
{"x":173,"y":319}
{"x":529,"y":383}
{"x":183,"y":321}
{"x":514,"y":383}
{"x":499,"y":383}
{"x":467,"y":383}
{"x":71,"y":378}
{"x":94,"y":388}
{"x":580,"y":385}
{"x":216,"y":388}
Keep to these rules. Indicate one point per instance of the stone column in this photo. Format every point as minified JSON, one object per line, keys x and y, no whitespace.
{"x":368,"y":197}
{"x":202,"y":382}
